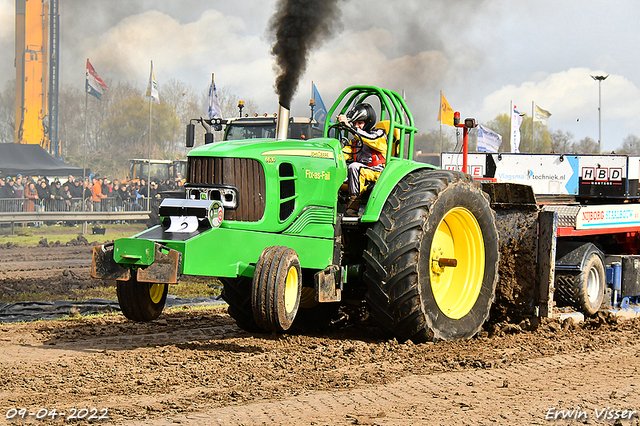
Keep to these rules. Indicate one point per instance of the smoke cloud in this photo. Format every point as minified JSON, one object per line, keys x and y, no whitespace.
{"x":297,"y":27}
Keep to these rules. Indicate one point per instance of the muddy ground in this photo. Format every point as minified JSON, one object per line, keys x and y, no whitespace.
{"x":195,"y":367}
{"x":51,"y":267}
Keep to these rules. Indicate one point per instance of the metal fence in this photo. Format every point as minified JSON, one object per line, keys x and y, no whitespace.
{"x":16,"y":205}
{"x":76,"y":210}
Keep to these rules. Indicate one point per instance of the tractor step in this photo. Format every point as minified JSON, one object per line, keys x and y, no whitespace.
{"x":350,"y":220}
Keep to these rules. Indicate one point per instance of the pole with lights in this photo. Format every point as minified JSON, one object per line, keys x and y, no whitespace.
{"x":600,"y":78}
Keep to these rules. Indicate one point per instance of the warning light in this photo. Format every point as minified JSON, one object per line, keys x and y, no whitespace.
{"x":456,"y":118}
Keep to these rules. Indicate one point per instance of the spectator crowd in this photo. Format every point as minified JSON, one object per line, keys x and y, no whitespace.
{"x":28,"y":194}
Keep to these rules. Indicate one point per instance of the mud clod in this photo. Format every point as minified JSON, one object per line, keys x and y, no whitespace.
{"x":80,"y":240}
{"x":568,"y":323}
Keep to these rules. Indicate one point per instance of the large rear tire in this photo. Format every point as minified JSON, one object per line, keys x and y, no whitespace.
{"x":276,"y":288}
{"x":432,"y":258}
{"x":141,"y":301}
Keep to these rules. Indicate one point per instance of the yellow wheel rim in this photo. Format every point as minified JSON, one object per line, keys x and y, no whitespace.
{"x":155,"y":292}
{"x":291,"y":290}
{"x":457,"y":241}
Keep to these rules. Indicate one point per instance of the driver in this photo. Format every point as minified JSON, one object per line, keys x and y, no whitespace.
{"x":368,"y":160}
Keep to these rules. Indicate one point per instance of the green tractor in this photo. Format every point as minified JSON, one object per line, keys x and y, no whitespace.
{"x":267,"y":217}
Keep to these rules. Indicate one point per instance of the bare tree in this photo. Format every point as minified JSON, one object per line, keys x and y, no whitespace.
{"x":586,"y":146}
{"x":186,"y":104}
{"x":229,"y":104}
{"x":7,"y":112}
{"x":630,"y":145}
{"x":429,"y":142}
{"x":71,"y":113}
{"x":117,"y":125}
{"x":561,"y":141}
{"x":117,"y":128}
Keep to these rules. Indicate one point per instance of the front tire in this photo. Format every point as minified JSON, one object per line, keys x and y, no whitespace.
{"x":141,"y":301}
{"x":432,"y":258}
{"x":276,"y":288}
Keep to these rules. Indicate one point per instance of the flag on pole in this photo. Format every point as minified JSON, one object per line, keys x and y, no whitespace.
{"x":516,"y":121}
{"x":214,"y":103}
{"x":445,"y":114}
{"x":541,"y":115}
{"x":320,"y":111}
{"x":94,"y":84}
{"x":152,"y":89}
{"x":488,"y":140}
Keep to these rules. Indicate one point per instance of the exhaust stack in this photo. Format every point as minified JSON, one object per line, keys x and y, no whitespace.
{"x":282,"y":125}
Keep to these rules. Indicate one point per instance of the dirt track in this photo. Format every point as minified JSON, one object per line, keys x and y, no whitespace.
{"x":56,"y":269}
{"x":196,"y":367}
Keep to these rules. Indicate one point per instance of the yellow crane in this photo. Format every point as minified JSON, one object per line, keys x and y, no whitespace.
{"x":36,"y":65}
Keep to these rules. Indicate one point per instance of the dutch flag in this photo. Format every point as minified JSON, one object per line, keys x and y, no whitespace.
{"x":94,"y":86}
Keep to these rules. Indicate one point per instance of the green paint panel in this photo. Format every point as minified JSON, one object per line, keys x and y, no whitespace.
{"x":224,"y":252}
{"x":313,"y":222}
{"x":389,"y":178}
{"x":227,"y":252}
{"x":131,"y":251}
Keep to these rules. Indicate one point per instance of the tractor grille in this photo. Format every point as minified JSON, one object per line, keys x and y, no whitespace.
{"x":245,"y":174}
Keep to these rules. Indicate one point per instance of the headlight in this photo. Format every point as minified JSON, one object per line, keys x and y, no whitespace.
{"x":226,"y":194}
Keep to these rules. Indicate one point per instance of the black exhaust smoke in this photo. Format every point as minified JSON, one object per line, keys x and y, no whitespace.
{"x":297,"y":27}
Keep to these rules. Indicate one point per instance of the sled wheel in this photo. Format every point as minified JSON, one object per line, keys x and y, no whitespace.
{"x":432,"y":258}
{"x":585,"y":291}
{"x":276,"y":288}
{"x":141,"y":301}
{"x":590,"y":285}
{"x":237,"y":293}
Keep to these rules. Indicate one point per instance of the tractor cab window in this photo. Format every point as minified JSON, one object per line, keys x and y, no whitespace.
{"x":252,"y":128}
{"x":247,"y":131}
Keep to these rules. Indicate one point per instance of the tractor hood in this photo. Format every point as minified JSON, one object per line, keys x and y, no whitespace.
{"x":261,"y":148}
{"x":274,"y":181}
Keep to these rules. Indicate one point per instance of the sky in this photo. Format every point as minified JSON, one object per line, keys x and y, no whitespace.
{"x":482,"y":54}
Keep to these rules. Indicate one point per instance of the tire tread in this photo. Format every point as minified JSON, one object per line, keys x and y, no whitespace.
{"x":392,"y":269}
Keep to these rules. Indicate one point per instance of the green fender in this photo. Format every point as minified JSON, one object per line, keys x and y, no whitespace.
{"x":389,"y":178}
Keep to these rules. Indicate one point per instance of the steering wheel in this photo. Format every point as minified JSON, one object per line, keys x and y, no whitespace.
{"x":356,"y":144}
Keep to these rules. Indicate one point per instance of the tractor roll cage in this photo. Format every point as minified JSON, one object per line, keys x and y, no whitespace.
{"x":394,"y":110}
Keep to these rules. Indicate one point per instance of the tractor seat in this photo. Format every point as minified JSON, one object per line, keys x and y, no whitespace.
{"x":386,"y":125}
